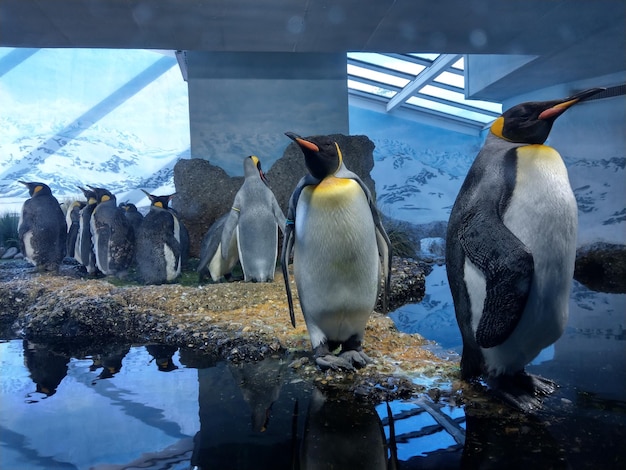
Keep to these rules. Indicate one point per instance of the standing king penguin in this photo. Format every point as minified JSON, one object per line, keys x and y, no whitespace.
{"x":254,"y":219}
{"x":83,"y":249}
{"x":72,"y":219}
{"x":159,"y":253}
{"x":510,"y":252}
{"x":42,"y":229}
{"x":112,"y":235}
{"x":340,"y":250}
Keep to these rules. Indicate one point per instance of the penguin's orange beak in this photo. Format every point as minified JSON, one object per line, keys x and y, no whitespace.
{"x":302,"y":142}
{"x":560,"y":108}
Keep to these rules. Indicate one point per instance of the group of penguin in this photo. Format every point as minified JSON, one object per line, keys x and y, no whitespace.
{"x":103,"y":237}
{"x":510,"y":249}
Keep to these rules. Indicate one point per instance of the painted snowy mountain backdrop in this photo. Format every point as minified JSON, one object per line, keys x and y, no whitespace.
{"x":420,"y":187}
{"x":98,"y":156}
{"x":414,"y":185}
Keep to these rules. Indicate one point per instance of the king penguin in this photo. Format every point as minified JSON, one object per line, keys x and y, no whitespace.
{"x":211,"y":259}
{"x":340,"y":250}
{"x":510,"y":252}
{"x":159,"y":254}
{"x":42,"y":229}
{"x":83,"y":249}
{"x":112,"y":235}
{"x":254,"y":220}
{"x":72,"y":219}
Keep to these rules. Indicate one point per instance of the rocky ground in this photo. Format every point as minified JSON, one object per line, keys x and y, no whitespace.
{"x":234,"y":321}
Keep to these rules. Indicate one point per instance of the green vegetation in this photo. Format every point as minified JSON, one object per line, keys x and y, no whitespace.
{"x":8,"y":229}
{"x":402,"y":240}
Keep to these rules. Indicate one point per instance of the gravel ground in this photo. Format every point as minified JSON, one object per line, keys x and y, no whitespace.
{"x":234,"y":321}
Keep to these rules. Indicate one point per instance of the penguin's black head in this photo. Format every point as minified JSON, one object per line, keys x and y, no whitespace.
{"x":322,"y":155}
{"x":35,"y":188}
{"x":103,"y":195}
{"x":531,"y":122}
{"x":159,"y":201}
{"x":90,"y":195}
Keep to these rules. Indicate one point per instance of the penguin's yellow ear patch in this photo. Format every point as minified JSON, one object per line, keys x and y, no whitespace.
{"x":37,"y":189}
{"x":159,"y":204}
{"x":497,"y":126}
{"x":106,"y":197}
{"x":340,"y":155}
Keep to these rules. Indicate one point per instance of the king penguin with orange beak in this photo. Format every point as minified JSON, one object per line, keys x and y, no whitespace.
{"x":510,"y":252}
{"x":340,"y":252}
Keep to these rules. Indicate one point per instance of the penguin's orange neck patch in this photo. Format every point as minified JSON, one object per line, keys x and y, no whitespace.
{"x":497,"y":128}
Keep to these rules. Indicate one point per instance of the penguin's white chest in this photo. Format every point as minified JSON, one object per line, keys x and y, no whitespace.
{"x":172,"y":262}
{"x":336,"y":264}
{"x":542,"y":213}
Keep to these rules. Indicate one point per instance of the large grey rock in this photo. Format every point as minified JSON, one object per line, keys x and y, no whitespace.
{"x":204,"y":191}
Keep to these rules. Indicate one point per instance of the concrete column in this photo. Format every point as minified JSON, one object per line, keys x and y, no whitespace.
{"x":241,"y":103}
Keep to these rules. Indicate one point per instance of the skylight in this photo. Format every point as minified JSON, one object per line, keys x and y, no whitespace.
{"x":424,"y":85}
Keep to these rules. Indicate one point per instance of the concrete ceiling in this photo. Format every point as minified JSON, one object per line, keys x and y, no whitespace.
{"x":575,"y":38}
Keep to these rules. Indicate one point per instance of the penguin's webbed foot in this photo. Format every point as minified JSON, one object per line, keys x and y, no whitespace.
{"x":330,"y":361}
{"x":522,"y":391}
{"x":356,"y":357}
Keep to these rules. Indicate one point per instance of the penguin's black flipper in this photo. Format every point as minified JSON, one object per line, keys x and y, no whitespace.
{"x":230,"y":224}
{"x":508,"y":268}
{"x":288,"y":239}
{"x":210,"y":243}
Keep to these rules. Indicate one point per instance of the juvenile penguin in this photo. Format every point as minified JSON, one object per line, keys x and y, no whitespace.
{"x":42,"y":229}
{"x":510,"y":251}
{"x":83,"y":249}
{"x":72,"y":219}
{"x":112,"y":235}
{"x":159,"y":255}
{"x":211,"y":260}
{"x":340,"y":251}
{"x":254,"y":220}
{"x":132,"y":214}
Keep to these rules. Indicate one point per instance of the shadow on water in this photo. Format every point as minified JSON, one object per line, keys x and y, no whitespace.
{"x":120,"y":406}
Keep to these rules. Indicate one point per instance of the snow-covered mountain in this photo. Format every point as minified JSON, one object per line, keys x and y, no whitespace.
{"x":420,"y":187}
{"x":80,"y":155}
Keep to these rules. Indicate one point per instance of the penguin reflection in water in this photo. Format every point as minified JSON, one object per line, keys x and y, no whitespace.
{"x":254,"y":220}
{"x":340,"y":250}
{"x":159,"y":248}
{"x":42,"y":229}
{"x":112,"y":235}
{"x":510,"y":251}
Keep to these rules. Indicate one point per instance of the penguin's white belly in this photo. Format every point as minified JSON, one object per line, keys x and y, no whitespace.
{"x":172,"y":263}
{"x":542,"y":213}
{"x":336,"y":265}
{"x":30,"y":254}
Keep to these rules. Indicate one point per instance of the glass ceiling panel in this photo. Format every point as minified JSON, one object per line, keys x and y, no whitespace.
{"x":426,"y":56}
{"x":438,"y":92}
{"x":377,"y":76}
{"x":393,"y":63}
{"x":447,"y":109}
{"x":371,"y":89}
{"x":450,"y":78}
{"x":445,"y":89}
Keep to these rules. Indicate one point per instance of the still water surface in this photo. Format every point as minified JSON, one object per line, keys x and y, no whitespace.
{"x":118,"y":406}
